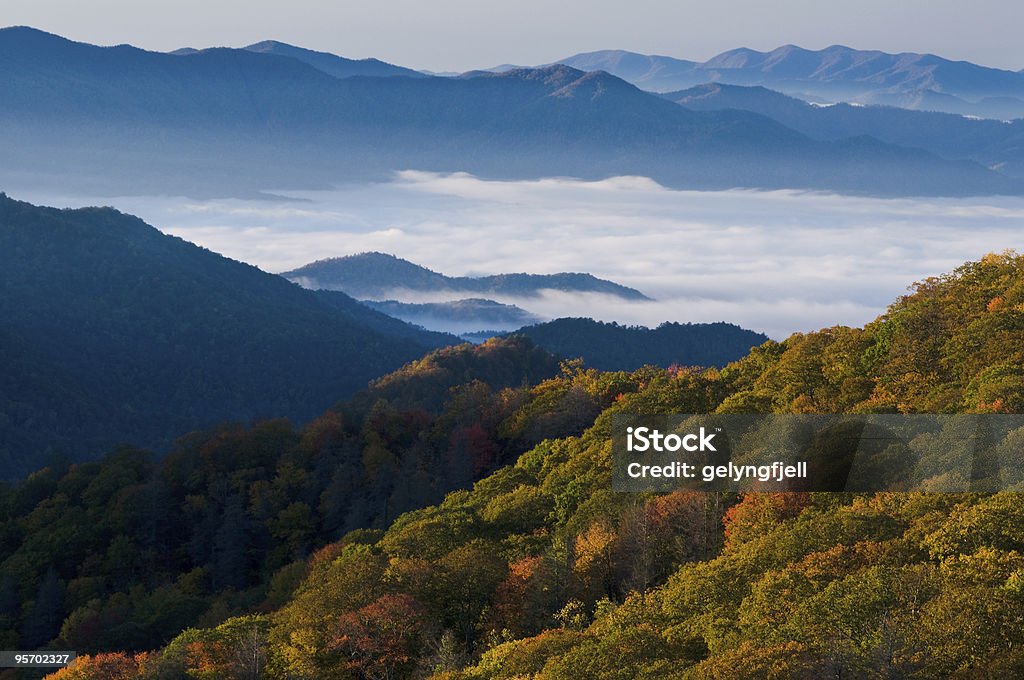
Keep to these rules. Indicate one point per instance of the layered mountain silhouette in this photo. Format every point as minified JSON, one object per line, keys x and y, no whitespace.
{"x":457,"y":316}
{"x":114,"y":332}
{"x":379,"y":275}
{"x":994,"y":143}
{"x":836,"y":73}
{"x":233,"y":122}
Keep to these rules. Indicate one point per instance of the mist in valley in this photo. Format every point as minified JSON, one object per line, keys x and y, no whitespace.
{"x":771,"y":261}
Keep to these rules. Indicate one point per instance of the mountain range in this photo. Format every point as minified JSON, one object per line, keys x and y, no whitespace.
{"x":235,"y":122}
{"x":331,"y":64}
{"x":833,"y":74}
{"x":114,"y":332}
{"x":379,"y":275}
{"x":993,"y":143}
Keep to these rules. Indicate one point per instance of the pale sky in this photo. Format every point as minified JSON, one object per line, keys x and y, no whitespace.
{"x":460,"y":35}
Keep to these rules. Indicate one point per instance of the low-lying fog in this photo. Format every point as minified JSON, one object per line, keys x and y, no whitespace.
{"x":777,"y":262}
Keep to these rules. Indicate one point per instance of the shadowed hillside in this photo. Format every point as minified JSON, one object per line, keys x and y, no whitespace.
{"x":614,"y":347}
{"x":114,"y":332}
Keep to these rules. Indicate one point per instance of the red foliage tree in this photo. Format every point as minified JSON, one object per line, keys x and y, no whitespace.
{"x":382,"y":639}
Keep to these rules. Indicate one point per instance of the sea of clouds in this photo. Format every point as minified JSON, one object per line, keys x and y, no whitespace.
{"x":777,"y":262}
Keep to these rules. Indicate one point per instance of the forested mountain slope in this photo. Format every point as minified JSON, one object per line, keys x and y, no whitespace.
{"x":614,"y":347}
{"x":125,"y":552}
{"x":114,"y":332}
{"x":542,"y":571}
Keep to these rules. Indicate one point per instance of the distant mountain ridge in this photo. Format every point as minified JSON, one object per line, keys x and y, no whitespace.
{"x":615,"y":347}
{"x":990,"y":142}
{"x":231,"y":122}
{"x":374,"y":275}
{"x":457,"y":316}
{"x":836,"y":73}
{"x":332,"y":64}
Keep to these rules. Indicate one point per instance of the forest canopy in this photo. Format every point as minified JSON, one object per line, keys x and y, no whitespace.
{"x":539,"y":569}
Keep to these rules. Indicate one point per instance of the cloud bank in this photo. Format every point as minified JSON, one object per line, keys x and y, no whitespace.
{"x":778,"y":262}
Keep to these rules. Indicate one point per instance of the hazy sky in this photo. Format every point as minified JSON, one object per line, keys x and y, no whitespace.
{"x":465,"y":34}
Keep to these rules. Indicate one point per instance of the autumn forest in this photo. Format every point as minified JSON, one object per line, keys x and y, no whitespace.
{"x":456,"y":520}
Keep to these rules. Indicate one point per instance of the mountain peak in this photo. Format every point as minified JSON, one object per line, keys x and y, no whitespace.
{"x":332,"y":64}
{"x":27,"y":37}
{"x":550,"y":73}
{"x":371,"y":257}
{"x":836,"y":73}
{"x":377,"y":275}
{"x":265,"y":45}
{"x":29,"y":31}
{"x":554,"y":77}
